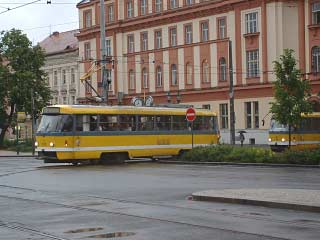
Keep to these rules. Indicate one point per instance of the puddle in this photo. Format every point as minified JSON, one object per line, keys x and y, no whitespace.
{"x":113,"y":235}
{"x":84,"y":230}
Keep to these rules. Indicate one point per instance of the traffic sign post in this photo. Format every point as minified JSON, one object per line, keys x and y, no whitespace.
{"x":190,"y":117}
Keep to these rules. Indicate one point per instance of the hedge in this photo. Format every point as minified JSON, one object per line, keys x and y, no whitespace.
{"x":227,"y":153}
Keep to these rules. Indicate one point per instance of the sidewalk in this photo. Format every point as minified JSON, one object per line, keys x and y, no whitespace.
{"x":4,"y":153}
{"x":296,"y":199}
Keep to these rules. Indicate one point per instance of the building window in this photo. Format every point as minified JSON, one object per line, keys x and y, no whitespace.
{"x":110,"y":13}
{"x":252,"y":64}
{"x":158,"y":39}
{"x":129,"y":9}
{"x":109,"y":79}
{"x":64,"y":77}
{"x":205,"y":72}
{"x":144,"y":78}
{"x":221,"y":28}
{"x":224,"y":123}
{"x":87,"y":86}
{"x":174,"y":77}
{"x":315,"y":52}
{"x":159,"y":76}
{"x":204,"y":31}
{"x":144,"y":41}
{"x":87,"y":19}
{"x":189,"y":2}
{"x":108,"y":48}
{"x":73,"y":76}
{"x":251,"y":114}
{"x":65,"y":100}
{"x":87,"y":51}
{"x":188,"y":34}
{"x":222,"y":69}
{"x":158,"y":6}
{"x":248,"y":114}
{"x":173,"y":4}
{"x":73,"y":99}
{"x":55,"y":78}
{"x":143,"y":7}
{"x":173,"y":37}
{"x":189,"y":73}
{"x":130,"y":44}
{"x":252,"y":22}
{"x":316,"y":13}
{"x":256,"y":114}
{"x":132,"y":83}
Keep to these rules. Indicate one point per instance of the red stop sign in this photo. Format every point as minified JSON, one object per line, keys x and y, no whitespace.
{"x":191,"y":114}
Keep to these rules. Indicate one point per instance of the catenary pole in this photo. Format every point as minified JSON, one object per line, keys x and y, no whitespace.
{"x":231,"y":98}
{"x":103,"y":51}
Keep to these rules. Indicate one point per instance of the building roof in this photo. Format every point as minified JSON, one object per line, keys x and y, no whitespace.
{"x":60,"y":42}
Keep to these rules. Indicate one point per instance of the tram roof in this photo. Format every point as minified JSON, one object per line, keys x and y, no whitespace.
{"x":311,"y":115}
{"x":95,"y":109}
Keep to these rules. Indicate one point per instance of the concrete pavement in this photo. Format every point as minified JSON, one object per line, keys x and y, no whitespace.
{"x":297,"y":199}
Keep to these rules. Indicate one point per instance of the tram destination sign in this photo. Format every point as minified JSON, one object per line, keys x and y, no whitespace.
{"x":191,"y":114}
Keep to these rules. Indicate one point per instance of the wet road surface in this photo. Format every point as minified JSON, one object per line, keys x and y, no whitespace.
{"x":145,"y":201}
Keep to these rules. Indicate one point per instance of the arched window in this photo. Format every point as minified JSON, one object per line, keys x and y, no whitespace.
{"x":132,"y":83}
{"x":189,"y":73}
{"x":315,"y":52}
{"x":222,"y":69}
{"x":159,"y":76}
{"x":144,"y":78}
{"x":174,"y":78}
{"x":205,"y":72}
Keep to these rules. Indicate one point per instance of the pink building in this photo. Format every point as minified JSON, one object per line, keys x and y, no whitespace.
{"x":177,"y":50}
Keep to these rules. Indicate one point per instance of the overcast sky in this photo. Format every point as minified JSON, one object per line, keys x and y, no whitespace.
{"x":39,"y":19}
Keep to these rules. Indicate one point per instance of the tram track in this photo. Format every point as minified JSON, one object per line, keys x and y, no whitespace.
{"x":119,"y":213}
{"x":26,"y":229}
{"x":142,"y":203}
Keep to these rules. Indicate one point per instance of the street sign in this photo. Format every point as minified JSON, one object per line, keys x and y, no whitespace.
{"x":191,"y":114}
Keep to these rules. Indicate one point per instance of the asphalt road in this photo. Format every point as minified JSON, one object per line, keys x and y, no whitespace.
{"x":145,"y":201}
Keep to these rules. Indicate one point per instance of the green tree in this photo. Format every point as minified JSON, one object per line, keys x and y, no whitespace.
{"x":291,"y":91}
{"x":20,"y":74}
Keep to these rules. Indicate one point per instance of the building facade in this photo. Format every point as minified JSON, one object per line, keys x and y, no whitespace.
{"x":62,"y":66}
{"x":178,"y":51}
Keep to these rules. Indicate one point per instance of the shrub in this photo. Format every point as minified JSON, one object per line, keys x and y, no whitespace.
{"x":228,"y":153}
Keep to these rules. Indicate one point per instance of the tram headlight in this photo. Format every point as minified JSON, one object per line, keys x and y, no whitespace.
{"x":36,"y":144}
{"x":51,"y":144}
{"x":283,"y":139}
{"x":269,"y":139}
{"x":66,"y":143}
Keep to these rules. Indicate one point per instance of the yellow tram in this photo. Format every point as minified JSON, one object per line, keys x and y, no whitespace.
{"x":305,"y":136}
{"x":76,"y":133}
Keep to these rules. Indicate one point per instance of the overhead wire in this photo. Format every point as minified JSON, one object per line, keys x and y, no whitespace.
{"x":20,"y":6}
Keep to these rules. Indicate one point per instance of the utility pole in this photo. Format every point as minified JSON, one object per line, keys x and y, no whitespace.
{"x":33,"y":121}
{"x":103,"y":54}
{"x":231,"y":98}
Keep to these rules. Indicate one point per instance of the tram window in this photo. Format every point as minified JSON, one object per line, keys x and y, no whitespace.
{"x":179,"y":123}
{"x":163,"y":123}
{"x":93,"y":121}
{"x":66,"y":123}
{"x":203,"y":123}
{"x":82,"y":123}
{"x":127,"y":122}
{"x":145,"y":123}
{"x":108,"y":123}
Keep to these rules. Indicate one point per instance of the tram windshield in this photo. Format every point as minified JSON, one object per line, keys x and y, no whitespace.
{"x":55,"y":123}
{"x":276,"y":126}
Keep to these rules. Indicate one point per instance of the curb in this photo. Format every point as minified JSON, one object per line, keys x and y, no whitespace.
{"x":292,"y":206}
{"x":240,"y":164}
{"x":12,"y":156}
